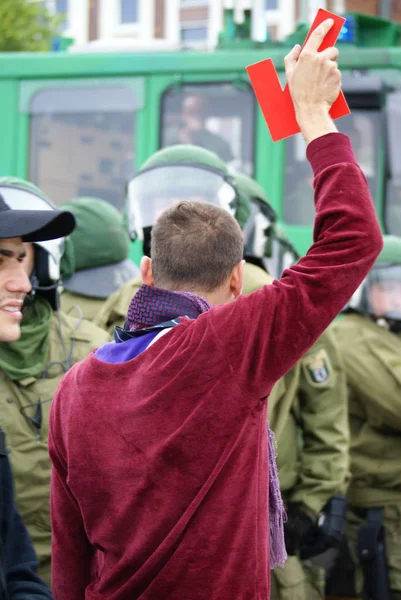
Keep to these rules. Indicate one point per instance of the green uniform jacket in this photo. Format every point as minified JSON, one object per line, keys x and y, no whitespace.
{"x":308,"y":414}
{"x":114,"y":311}
{"x":27,"y":444}
{"x":90,"y":307}
{"x":372,"y":358}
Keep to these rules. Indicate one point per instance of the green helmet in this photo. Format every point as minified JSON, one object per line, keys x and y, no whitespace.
{"x":185,"y":154}
{"x":257,"y":226}
{"x":251,"y":188}
{"x":181,"y":172}
{"x":379,"y":296}
{"x":243,"y":210}
{"x":23,"y":195}
{"x":98,"y":249}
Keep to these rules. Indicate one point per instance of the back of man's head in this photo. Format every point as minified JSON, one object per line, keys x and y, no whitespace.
{"x":195,"y":246}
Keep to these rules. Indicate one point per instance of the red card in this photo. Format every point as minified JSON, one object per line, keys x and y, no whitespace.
{"x":276,"y":103}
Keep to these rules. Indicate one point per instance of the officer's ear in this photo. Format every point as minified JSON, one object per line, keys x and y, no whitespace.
{"x":146,"y":271}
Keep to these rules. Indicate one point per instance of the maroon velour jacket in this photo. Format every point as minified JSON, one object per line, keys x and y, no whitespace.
{"x":160,"y":464}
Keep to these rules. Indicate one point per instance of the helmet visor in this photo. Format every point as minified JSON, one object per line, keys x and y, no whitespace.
{"x":384,"y":291}
{"x":152,"y":192}
{"x":257,"y":231}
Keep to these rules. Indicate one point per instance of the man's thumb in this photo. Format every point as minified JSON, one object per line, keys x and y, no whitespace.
{"x":292,"y":57}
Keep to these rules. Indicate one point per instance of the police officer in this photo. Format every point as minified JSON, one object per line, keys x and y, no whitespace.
{"x":18,"y":564}
{"x":307,"y":412}
{"x":96,"y":262}
{"x":369,"y":338}
{"x":31,"y":368}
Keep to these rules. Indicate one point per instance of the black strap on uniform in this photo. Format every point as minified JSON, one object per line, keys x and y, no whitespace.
{"x":372,"y":556}
{"x":3,"y":580}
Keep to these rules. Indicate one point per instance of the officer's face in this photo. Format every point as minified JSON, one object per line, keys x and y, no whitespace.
{"x":385,"y":297}
{"x":14,"y":284}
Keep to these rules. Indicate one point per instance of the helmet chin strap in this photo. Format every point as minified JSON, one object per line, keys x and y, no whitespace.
{"x":30,"y":298}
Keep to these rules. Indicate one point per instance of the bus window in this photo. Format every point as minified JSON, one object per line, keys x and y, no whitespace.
{"x":364,"y":129}
{"x":218,"y":116}
{"x":82,"y":142}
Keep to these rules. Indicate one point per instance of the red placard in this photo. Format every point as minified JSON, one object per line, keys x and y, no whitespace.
{"x":275,"y":102}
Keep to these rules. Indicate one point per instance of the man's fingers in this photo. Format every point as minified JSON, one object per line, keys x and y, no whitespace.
{"x":292,"y":57}
{"x":317,"y":36}
{"x":330,"y":53}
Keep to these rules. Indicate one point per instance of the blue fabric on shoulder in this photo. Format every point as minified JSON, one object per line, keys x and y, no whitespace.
{"x":123,"y":352}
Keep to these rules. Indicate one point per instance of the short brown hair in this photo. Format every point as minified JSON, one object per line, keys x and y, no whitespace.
{"x":195,"y":245}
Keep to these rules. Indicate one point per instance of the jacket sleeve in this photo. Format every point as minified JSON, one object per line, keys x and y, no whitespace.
{"x":264,"y":334}
{"x":18,"y":554}
{"x":73,"y":556}
{"x":323,"y":416}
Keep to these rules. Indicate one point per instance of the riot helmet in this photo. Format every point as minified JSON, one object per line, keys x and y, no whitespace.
{"x":257,"y":224}
{"x":96,"y":262}
{"x":283,"y":253}
{"x":379,"y":296}
{"x":174,"y":174}
{"x":45,"y":278}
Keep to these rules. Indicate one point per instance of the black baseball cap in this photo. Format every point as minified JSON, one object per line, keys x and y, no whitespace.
{"x":34,"y":225}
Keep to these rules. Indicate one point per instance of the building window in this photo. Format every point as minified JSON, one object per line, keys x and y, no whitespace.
{"x":271,"y":4}
{"x":129,"y":11}
{"x":194,"y":34}
{"x":61,"y":6}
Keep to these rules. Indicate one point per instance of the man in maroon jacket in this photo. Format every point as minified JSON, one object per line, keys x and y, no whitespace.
{"x":158,"y":440}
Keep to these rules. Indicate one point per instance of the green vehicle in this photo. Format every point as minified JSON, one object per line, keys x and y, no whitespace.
{"x":82,"y":124}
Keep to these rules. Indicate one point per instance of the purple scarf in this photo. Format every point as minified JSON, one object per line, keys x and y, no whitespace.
{"x":153,"y":306}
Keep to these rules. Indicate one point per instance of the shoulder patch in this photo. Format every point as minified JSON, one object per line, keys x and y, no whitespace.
{"x":317,"y":368}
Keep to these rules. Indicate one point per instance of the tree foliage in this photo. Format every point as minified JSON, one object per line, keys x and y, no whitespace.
{"x":27,"y":26}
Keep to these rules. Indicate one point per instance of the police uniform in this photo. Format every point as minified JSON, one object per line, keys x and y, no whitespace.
{"x":372,"y":357}
{"x":25,"y":406}
{"x":77,"y":304}
{"x":114,"y":310}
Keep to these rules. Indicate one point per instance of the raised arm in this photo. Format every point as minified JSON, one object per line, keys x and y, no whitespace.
{"x":263,"y":335}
